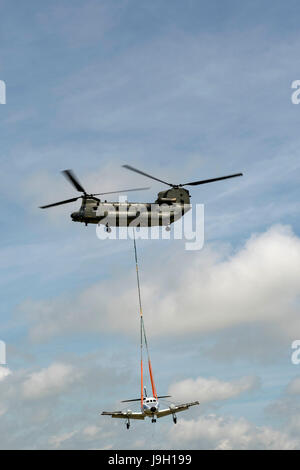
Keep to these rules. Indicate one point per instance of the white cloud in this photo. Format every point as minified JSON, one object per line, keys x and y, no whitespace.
{"x":49,"y":381}
{"x":217,"y":432}
{"x":287,"y":406}
{"x":91,"y":431}
{"x":259,"y":284}
{"x":64,"y":397}
{"x":57,"y":441}
{"x":208,"y":390}
{"x":4,"y":372}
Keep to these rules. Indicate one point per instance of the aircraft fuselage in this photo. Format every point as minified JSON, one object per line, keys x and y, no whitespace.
{"x":170,"y":206}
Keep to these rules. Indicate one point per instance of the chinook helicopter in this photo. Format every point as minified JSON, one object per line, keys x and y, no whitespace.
{"x":170,"y":205}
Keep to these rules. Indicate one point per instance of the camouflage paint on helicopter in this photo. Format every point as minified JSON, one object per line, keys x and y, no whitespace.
{"x":169,"y":206}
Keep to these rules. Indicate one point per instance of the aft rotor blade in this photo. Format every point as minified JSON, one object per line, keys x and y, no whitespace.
{"x":60,"y":203}
{"x":121,"y":191}
{"x":195,"y":183}
{"x":145,"y":174}
{"x":73,"y":179}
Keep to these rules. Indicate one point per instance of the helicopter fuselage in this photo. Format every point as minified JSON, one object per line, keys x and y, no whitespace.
{"x":170,"y":206}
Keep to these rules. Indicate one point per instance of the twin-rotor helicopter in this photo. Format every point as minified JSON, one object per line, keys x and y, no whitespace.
{"x":170,"y":205}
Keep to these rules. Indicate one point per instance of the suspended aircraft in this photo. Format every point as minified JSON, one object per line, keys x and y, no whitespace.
{"x":170,"y":205}
{"x":150,"y":406}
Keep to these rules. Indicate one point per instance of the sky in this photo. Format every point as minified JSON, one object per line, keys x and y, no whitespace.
{"x":184,"y":91}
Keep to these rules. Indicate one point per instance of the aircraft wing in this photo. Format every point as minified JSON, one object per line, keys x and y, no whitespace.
{"x":175,"y":409}
{"x":124,"y":414}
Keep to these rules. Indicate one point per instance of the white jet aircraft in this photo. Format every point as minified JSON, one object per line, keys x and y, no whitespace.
{"x":149,"y":408}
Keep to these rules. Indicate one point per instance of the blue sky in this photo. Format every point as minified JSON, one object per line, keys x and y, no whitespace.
{"x":185,"y":91}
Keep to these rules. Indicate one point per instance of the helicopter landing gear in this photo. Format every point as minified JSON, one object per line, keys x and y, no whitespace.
{"x":107,"y":228}
{"x":168,"y":228}
{"x":128,"y":424}
{"x":174,"y":419}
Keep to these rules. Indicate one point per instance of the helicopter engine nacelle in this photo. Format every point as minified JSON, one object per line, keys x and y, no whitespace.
{"x":172,"y":196}
{"x":166,"y":200}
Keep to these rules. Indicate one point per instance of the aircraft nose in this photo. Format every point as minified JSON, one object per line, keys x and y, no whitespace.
{"x":153,"y":408}
{"x":74,"y":215}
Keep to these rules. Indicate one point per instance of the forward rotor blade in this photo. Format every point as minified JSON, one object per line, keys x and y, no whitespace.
{"x":145,"y":174}
{"x":195,"y":183}
{"x":73,"y":179}
{"x":121,"y":191}
{"x":60,"y":203}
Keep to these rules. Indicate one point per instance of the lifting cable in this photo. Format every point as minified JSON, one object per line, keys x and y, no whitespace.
{"x":142,"y":330}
